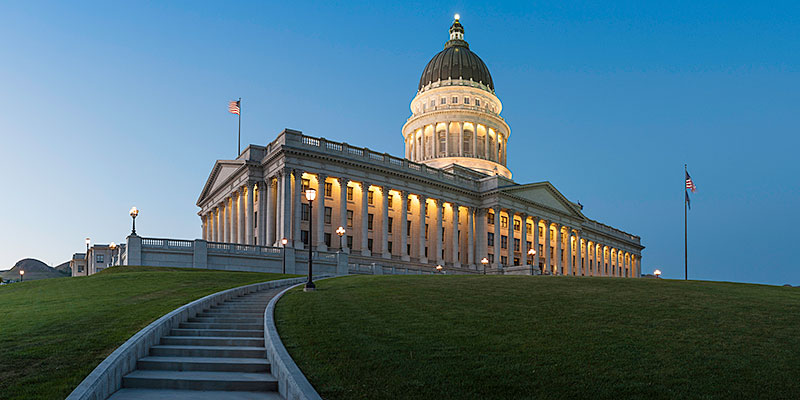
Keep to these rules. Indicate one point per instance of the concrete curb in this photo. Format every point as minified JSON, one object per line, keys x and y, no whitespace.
{"x":107,"y":377}
{"x":292,"y":384}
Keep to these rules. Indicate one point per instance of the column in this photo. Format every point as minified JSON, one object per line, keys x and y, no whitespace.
{"x":481,"y":228}
{"x":404,"y":226}
{"x":229,"y":219}
{"x":456,"y":244}
{"x":297,"y":188}
{"x":270,"y":214}
{"x":423,"y":204}
{"x":570,"y":252}
{"x":365,"y":212}
{"x":343,"y":211}
{"x":278,"y":209}
{"x":248,"y":213}
{"x":470,"y":237}
{"x":497,"y":238}
{"x":580,"y":265}
{"x":497,"y":148}
{"x":460,"y":139}
{"x":286,"y":207}
{"x":546,"y":247}
{"x":226,"y":223}
{"x":438,"y":223}
{"x":523,"y":239}
{"x":510,"y":237}
{"x":240,"y":204}
{"x":319,"y":214}
{"x":447,"y":140}
{"x":559,"y":260}
{"x":385,"y":222}
{"x":235,"y":217}
{"x":535,"y":241}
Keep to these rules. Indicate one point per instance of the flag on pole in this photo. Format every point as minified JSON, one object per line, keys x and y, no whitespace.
{"x":688,"y":201}
{"x":689,"y":183}
{"x":233,"y":107}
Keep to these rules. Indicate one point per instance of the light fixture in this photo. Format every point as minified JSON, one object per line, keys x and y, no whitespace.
{"x":311,"y":194}
{"x":284,"y":241}
{"x":657,"y":273}
{"x":134,"y":213}
{"x":21,"y":275}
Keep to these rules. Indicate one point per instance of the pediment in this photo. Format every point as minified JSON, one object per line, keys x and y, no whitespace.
{"x":546,"y":194}
{"x":220,"y":174}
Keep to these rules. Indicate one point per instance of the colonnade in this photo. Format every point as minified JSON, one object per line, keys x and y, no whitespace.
{"x":456,"y":139}
{"x":382,"y":221}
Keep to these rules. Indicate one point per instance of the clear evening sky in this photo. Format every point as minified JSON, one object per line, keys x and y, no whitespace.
{"x":106,"y":105}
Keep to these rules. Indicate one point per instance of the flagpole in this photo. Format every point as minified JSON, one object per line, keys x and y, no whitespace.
{"x":239,"y":144}
{"x":685,"y":229}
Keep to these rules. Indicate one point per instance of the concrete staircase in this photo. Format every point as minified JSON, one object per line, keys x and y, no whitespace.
{"x":218,"y":354}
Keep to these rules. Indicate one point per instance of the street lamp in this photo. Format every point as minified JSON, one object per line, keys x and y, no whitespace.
{"x":112,"y":246}
{"x":21,"y":275}
{"x":284,"y":241}
{"x":134,"y":212}
{"x":657,"y":273}
{"x":438,"y":268}
{"x":311,"y":194}
{"x":340,"y":231}
{"x":531,"y":253}
{"x":88,"y":241}
{"x":484,"y":261}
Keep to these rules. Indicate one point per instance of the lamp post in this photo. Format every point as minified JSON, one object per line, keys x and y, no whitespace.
{"x":657,"y":273}
{"x":438,"y":268}
{"x":134,"y":212}
{"x":112,"y":246}
{"x":484,"y":261}
{"x":21,"y":275}
{"x":284,"y":241}
{"x":531,"y":253}
{"x":340,"y":231}
{"x":87,"y":255}
{"x":311,"y":194}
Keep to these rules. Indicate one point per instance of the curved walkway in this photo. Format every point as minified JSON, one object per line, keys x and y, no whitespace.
{"x":218,"y":354}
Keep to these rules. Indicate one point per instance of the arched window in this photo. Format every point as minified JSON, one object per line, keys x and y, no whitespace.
{"x":441,"y":135}
{"x":469,"y":137}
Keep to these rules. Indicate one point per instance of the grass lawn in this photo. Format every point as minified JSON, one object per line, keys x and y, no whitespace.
{"x":511,"y":337}
{"x":55,"y":332}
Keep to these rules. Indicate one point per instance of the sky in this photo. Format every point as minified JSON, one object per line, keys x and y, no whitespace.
{"x":107,"y":105}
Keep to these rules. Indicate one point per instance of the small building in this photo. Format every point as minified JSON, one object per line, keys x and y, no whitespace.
{"x":101,"y":256}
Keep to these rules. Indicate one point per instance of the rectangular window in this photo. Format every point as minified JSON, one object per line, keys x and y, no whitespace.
{"x":328,"y":189}
{"x":516,"y":244}
{"x":389,"y":246}
{"x":541,"y":231}
{"x":370,"y":197}
{"x":349,"y":242}
{"x":455,"y":100}
{"x":328,"y":213}
{"x":490,"y":239}
{"x":369,"y":244}
{"x":529,"y":228}
{"x":490,"y":256}
{"x":408,"y":227}
{"x":99,"y":258}
{"x":389,"y":201}
{"x":516,"y":225}
{"x":304,"y":237}
{"x":466,"y":100}
{"x":305,"y":213}
{"x":328,"y":239}
{"x":516,"y":261}
{"x":490,"y":218}
{"x":426,"y":231}
{"x":255,"y":224}
{"x":349,"y":219}
{"x":504,"y":260}
{"x":528,"y":244}
{"x":541,"y":249}
{"x":503,"y":241}
{"x":443,"y":101}
{"x":391,"y":222}
{"x":478,"y":102}
{"x":433,"y":103}
{"x":503,"y":222}
{"x":370,"y":218}
{"x":426,"y":251}
{"x":349,"y":193}
{"x":408,"y":206}
{"x":306,"y":184}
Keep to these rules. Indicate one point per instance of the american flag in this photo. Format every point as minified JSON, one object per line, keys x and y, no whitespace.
{"x":690,"y":184}
{"x":233,"y":107}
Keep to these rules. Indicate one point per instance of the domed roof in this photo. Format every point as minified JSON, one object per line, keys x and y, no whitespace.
{"x":456,"y":61}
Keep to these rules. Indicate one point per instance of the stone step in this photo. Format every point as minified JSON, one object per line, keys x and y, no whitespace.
{"x":260,"y":308}
{"x":171,"y":394}
{"x":228,"y":320}
{"x":163,"y":350}
{"x":219,"y":364}
{"x":231,"y":314}
{"x":212,"y":341}
{"x":254,"y":333}
{"x":200,"y":380}
{"x":207,"y":325}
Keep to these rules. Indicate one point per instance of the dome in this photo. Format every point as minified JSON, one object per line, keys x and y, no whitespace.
{"x":456,"y":61}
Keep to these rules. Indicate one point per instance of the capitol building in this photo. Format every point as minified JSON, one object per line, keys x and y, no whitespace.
{"x":449,"y":201}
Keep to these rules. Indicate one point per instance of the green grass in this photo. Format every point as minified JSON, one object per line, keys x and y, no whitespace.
{"x":54,"y":332}
{"x":507,"y":337}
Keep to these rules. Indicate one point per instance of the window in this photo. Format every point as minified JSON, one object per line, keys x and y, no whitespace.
{"x":455,"y":100}
{"x":408,"y":249}
{"x":389,"y":200}
{"x":408,"y":227}
{"x":541,"y":249}
{"x":305,"y":212}
{"x":369,"y":244}
{"x":516,"y":261}
{"x":328,"y":212}
{"x":478,"y":102}
{"x":426,"y":230}
{"x":516,"y":244}
{"x":408,"y":206}
{"x":490,"y":218}
{"x":304,"y":237}
{"x":391,"y":222}
{"x":466,"y":100}
{"x":349,"y":218}
{"x":306,"y":184}
{"x":328,"y":189}
{"x":541,"y":231}
{"x":370,"y":218}
{"x":349,"y":242}
{"x":443,"y":101}
{"x":490,"y":256}
{"x":80,"y":268}
{"x":99,"y":258}
{"x":503,"y":241}
{"x":490,"y":239}
{"x":504,"y":260}
{"x":389,"y":246}
{"x":433,"y":103}
{"x":255,"y":224}
{"x":503,"y":222}
{"x":516,"y":225}
{"x":328,"y":239}
{"x":529,"y":228}
{"x":528,"y":244}
{"x":349,"y":193}
{"x":370,"y":197}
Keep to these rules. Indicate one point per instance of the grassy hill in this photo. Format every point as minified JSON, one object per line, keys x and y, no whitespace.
{"x":34,"y":270}
{"x":504,"y":337}
{"x":54,"y":332}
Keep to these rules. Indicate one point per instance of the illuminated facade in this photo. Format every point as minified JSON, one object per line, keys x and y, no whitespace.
{"x":450,"y":201}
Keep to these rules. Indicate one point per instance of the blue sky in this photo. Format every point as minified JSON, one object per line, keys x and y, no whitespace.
{"x":105,"y":105}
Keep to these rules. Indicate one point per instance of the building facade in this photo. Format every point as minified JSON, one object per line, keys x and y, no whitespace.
{"x":450,"y":201}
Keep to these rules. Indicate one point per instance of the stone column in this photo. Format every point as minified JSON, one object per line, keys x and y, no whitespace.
{"x":523,"y":239}
{"x":365,"y":212}
{"x":456,"y":242}
{"x":497,"y":147}
{"x":447,"y":140}
{"x":343,"y":211}
{"x":286,"y":205}
{"x":579,"y":264}
{"x":234,"y":217}
{"x":460,"y":139}
{"x":486,"y":144}
{"x":510,"y":237}
{"x":570,"y":253}
{"x":470,"y":237}
{"x":559,"y":259}
{"x":423,"y":204}
{"x":319,"y":216}
{"x":229,"y":219}
{"x":385,"y":222}
{"x":497,"y":238}
{"x":547,"y":243}
{"x":248,"y":213}
{"x":404,"y":226}
{"x":535,"y":241}
{"x":270,"y":214}
{"x":297,"y":188}
{"x":278,"y":209}
{"x":438,"y":222}
{"x":226,"y":223}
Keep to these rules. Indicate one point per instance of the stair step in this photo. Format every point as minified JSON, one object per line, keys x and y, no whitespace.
{"x":215,"y":325}
{"x":259,"y":309}
{"x":252,"y":333}
{"x":200,"y":380}
{"x":162,"y":394}
{"x":227,"y":320}
{"x":164,"y":350}
{"x":219,"y":364}
{"x":212,"y":341}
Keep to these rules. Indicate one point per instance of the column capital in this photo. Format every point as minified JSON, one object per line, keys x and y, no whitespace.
{"x":343,"y":181}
